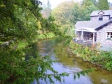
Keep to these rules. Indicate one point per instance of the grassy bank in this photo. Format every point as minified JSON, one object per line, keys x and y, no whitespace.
{"x":100,"y":58}
{"x":23,"y":44}
{"x":46,"y":36}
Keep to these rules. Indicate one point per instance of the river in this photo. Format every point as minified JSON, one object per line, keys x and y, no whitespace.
{"x":71,"y":65}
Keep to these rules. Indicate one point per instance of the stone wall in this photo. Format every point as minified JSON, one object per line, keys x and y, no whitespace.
{"x":102,"y":36}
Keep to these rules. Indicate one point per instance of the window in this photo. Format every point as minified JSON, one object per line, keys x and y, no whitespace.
{"x":101,"y":15}
{"x":101,"y":18}
{"x":109,"y":35}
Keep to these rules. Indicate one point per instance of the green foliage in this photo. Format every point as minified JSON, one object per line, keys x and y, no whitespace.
{"x":63,"y":15}
{"x":68,"y":13}
{"x":82,"y":12}
{"x":100,"y":58}
{"x":84,"y":72}
{"x":20,"y":62}
{"x":87,"y":2}
{"x":17,"y":20}
{"x":103,"y":5}
{"x":46,"y":36}
{"x":20,"y":22}
{"x":95,"y":2}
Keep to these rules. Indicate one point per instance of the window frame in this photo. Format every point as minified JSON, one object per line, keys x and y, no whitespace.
{"x":109,"y":35}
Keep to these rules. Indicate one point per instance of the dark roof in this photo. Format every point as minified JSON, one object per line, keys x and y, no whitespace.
{"x":91,"y":24}
{"x":106,"y":12}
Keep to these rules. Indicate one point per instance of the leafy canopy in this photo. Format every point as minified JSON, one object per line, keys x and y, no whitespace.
{"x":63,"y":15}
{"x":82,"y":12}
{"x":19,"y":62}
{"x":103,"y":5}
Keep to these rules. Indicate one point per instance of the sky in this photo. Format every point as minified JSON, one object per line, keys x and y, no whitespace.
{"x":54,"y":3}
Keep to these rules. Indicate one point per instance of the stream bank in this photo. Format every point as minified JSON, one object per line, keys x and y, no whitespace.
{"x":69,"y":63}
{"x":97,"y":58}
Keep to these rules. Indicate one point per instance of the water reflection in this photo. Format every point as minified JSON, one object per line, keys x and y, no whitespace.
{"x":46,"y":48}
{"x":68,"y":80}
{"x":66,"y":64}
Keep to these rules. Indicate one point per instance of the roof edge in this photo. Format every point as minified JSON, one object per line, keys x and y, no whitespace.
{"x":100,"y":27}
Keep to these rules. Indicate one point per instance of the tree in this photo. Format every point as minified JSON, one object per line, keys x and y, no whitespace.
{"x":82,"y":12}
{"x":48,"y":4}
{"x":103,"y":5}
{"x":63,"y":15}
{"x":94,"y":2}
{"x":19,"y":63}
{"x":88,"y":7}
{"x":46,"y":12}
{"x":87,"y":2}
{"x":77,"y":13}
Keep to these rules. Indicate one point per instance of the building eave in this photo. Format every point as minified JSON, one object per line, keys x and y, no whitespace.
{"x":102,"y":26}
{"x":85,"y":29}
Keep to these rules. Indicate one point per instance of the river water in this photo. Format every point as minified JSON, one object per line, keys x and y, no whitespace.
{"x":71,"y":65}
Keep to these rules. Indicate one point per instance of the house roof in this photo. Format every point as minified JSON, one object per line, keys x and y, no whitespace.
{"x":95,"y":25}
{"x":106,"y":12}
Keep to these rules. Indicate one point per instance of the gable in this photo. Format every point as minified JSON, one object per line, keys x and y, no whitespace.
{"x":107,"y":28}
{"x":95,"y":25}
{"x":90,"y":24}
{"x":102,"y":26}
{"x":105,"y":13}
